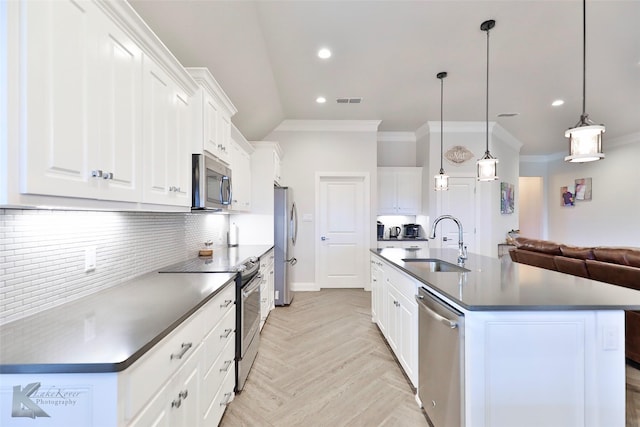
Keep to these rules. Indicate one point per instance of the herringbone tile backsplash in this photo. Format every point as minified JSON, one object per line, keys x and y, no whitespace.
{"x":42,"y":252}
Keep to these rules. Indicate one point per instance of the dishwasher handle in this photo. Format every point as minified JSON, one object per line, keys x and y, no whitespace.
{"x":450,"y":323}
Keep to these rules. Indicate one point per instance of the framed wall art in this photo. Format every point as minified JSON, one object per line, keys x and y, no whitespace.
{"x":583,"y":189}
{"x":506,"y":198}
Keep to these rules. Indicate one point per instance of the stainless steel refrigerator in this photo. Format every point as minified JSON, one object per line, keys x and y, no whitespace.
{"x":285,"y":229}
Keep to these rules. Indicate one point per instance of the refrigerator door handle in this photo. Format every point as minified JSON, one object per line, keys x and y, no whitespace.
{"x":293,"y":223}
{"x":292,"y":261}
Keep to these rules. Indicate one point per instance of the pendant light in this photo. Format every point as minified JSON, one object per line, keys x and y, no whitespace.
{"x":487,"y":165}
{"x":442,"y":179}
{"x":585,"y":138}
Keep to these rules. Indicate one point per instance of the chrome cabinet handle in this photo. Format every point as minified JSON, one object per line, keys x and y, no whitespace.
{"x":183,"y":350}
{"x":96,"y":173}
{"x":107,"y":175}
{"x":226,"y":304}
{"x":177,"y":402}
{"x":227,"y":399}
{"x":227,"y":364}
{"x":227,"y":333}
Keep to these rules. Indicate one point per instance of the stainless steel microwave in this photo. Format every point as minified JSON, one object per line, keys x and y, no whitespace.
{"x":211,"y":183}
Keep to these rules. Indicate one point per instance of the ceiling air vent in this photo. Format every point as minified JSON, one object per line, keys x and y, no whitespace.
{"x":348,"y":100}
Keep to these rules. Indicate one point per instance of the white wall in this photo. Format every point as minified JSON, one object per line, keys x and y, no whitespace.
{"x":612,"y":217}
{"x":396,"y":149}
{"x":42,"y":252}
{"x":531,"y":207}
{"x":309,"y":151}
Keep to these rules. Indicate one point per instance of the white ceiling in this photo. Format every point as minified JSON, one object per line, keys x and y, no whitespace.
{"x":263,"y":53}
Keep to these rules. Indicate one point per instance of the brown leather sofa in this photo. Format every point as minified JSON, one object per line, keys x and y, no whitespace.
{"x":615,"y":265}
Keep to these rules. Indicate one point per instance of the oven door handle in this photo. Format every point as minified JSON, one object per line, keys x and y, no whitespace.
{"x":252,"y":287}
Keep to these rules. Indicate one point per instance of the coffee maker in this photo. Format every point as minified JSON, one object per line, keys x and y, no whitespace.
{"x":410,"y":231}
{"x":380,"y":230}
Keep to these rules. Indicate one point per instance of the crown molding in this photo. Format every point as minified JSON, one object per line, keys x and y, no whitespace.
{"x":206,"y":80}
{"x":397,"y":136}
{"x":328,"y":126}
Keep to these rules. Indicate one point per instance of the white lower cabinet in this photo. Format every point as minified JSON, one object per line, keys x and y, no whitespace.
{"x":396,"y":313}
{"x":181,"y":380}
{"x":267,"y":291}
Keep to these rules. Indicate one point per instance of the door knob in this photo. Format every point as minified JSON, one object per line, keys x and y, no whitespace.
{"x":323,"y":238}
{"x":444,"y":239}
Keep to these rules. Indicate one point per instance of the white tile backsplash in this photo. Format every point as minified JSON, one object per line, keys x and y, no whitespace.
{"x":42,"y":252}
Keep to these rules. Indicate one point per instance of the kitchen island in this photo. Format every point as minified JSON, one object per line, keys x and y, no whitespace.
{"x":537,"y":347}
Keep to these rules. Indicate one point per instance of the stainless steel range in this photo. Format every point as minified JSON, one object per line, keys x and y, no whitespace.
{"x":247,"y":304}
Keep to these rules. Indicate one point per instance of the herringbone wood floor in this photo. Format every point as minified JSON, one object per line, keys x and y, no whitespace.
{"x":323,"y":363}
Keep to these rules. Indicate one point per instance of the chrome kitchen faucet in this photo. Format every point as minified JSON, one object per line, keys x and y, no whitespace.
{"x":462,"y":249}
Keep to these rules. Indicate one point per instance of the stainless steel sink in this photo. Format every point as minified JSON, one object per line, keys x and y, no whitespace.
{"x":435,"y":265}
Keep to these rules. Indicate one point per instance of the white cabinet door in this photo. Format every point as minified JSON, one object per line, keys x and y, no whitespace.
{"x":377,"y":293}
{"x":120,"y":141}
{"x":407,"y":316}
{"x":185,"y":407}
{"x":408,"y":190}
{"x":83,"y":106}
{"x":399,"y":190}
{"x":211,"y":112}
{"x":386,"y":191}
{"x":167,"y":120}
{"x":60,"y":117}
{"x":241,"y":175}
{"x":224,"y":137}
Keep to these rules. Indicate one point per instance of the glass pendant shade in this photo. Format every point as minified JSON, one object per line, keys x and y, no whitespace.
{"x":585,"y":143}
{"x":487,"y":168}
{"x":441,"y":181}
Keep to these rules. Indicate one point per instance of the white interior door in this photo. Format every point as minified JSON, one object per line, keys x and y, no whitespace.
{"x":459,"y":201}
{"x":343,"y":231}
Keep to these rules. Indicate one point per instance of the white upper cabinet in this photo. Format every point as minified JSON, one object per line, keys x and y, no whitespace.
{"x":98,"y":111}
{"x":212,"y":116}
{"x":240,"y":171}
{"x":399,"y":190}
{"x":82,"y":102}
{"x":167,"y":138}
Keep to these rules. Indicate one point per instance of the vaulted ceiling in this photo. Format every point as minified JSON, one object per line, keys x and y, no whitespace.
{"x":263,"y":53}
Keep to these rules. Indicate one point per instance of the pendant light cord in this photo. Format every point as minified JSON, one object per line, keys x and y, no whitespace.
{"x":441,"y":129}
{"x":487,"y":105}
{"x":584,"y":61}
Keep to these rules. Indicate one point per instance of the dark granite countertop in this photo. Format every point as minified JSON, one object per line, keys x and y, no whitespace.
{"x":493,"y":284}
{"x":110,"y":329}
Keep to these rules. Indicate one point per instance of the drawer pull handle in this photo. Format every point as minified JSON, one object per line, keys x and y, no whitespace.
{"x":227,"y":363}
{"x":227,"y":303}
{"x":176,"y":403}
{"x":185,"y":347}
{"x":227,"y":399}
{"x":183,"y":394}
{"x":226,"y":334}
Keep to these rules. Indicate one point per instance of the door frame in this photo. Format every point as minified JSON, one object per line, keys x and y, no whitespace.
{"x":365,"y":176}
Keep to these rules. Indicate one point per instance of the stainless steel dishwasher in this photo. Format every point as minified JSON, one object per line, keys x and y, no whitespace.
{"x":440,"y":366}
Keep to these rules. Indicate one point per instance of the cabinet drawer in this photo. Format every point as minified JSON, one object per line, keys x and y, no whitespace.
{"x":215,"y":375}
{"x":405,"y":285}
{"x":218,"y":338}
{"x":158,"y":364}
{"x":219,"y":306}
{"x":213,"y":413}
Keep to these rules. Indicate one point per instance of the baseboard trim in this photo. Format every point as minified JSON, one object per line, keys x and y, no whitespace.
{"x":304,"y":287}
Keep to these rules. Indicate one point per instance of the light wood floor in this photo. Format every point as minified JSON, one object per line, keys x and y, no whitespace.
{"x":323,"y":363}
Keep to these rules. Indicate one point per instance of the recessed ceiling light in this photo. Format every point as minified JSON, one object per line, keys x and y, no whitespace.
{"x":321,"y":100}
{"x":557,"y":102}
{"x":324,"y":53}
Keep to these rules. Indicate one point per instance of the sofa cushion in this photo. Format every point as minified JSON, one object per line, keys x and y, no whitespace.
{"x":574,"y":266}
{"x":633,"y":257}
{"x":537,"y":259}
{"x":536,"y":245}
{"x":612,"y":255}
{"x":514,"y":255}
{"x":616,"y":274}
{"x":577,"y":252}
